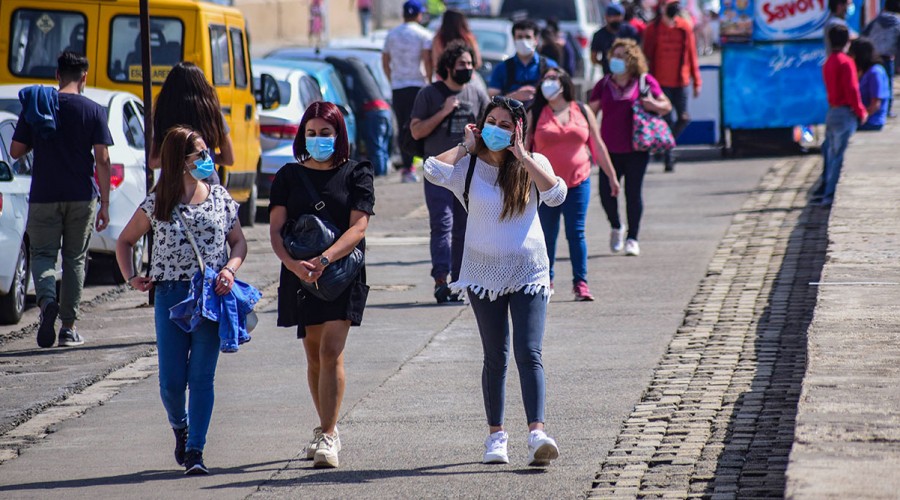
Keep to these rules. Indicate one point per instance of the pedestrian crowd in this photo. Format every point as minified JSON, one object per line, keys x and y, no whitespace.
{"x":503,"y":169}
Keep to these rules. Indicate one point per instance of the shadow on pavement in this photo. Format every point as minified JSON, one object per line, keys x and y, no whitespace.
{"x":56,"y":351}
{"x":760,"y":431}
{"x":144,"y":476}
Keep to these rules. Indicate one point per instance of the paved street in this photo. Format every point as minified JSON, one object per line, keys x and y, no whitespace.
{"x":412,"y":421}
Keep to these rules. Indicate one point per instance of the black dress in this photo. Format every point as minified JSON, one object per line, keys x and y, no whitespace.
{"x":344,"y":188}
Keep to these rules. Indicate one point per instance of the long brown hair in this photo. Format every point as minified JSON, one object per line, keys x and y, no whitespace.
{"x":189,"y":100}
{"x":454,"y":26}
{"x":513,"y":179}
{"x":178,"y":144}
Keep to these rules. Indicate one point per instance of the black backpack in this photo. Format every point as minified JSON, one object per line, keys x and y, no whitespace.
{"x":416,"y":147}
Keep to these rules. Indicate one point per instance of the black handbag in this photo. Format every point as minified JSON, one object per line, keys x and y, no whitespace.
{"x":308,"y":233}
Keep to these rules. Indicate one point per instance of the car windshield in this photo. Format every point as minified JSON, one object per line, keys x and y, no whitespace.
{"x":564,"y":10}
{"x":491,"y":41}
{"x":37,"y":38}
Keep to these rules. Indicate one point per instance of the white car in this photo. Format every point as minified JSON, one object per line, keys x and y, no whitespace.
{"x":279,"y":126}
{"x":125,"y":113}
{"x":15,"y":183}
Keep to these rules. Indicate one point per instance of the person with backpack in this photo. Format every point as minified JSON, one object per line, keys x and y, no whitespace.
{"x":564,"y":131}
{"x":616,"y":95}
{"x":439,"y":118}
{"x":518,"y":76}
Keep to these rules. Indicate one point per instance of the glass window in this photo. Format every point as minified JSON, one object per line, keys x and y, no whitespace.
{"x":133,"y":126}
{"x":22,"y":166}
{"x":492,"y":41}
{"x":309,"y":91}
{"x":564,"y":10}
{"x":37,"y":38}
{"x":221,"y":66}
{"x":11,"y":105}
{"x":166,"y":48}
{"x":237,"y":53}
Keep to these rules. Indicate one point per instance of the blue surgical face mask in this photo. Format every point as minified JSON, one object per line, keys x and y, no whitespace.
{"x":495,"y":138}
{"x":320,"y":148}
{"x":617,"y":65}
{"x":851,"y":9}
{"x":203,"y":167}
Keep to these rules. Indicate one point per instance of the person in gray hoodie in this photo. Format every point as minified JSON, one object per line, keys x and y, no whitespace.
{"x":884,"y":32}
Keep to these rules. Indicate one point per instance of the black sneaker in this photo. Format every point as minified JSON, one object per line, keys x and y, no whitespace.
{"x":442,"y":293}
{"x":180,"y":443}
{"x":46,"y":335}
{"x":68,"y":337}
{"x":193,"y":463}
{"x":669,"y":163}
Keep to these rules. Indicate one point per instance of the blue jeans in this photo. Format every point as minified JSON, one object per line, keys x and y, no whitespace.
{"x":888,"y":63}
{"x":574,"y":210}
{"x":528,"y":315}
{"x":185,"y":360}
{"x":631,"y":168}
{"x":678,"y":119}
{"x":448,"y":231}
{"x":378,"y":133}
{"x":840,"y":124}
{"x":365,"y":19}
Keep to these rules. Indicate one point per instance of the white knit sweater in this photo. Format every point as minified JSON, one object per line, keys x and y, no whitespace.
{"x":499,"y":256}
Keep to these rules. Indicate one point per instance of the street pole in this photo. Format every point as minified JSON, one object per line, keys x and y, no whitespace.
{"x":147,"y":77}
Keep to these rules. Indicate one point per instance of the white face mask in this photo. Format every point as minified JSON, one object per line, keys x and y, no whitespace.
{"x":524,"y":48}
{"x":551,"y":88}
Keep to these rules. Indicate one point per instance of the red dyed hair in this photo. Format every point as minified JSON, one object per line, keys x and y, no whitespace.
{"x":331,"y":114}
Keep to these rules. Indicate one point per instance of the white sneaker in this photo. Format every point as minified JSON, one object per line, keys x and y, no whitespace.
{"x":632,"y":248}
{"x":310,"y":448}
{"x":326,"y":456}
{"x":541,"y":449}
{"x":615,"y":240}
{"x":495,"y":448}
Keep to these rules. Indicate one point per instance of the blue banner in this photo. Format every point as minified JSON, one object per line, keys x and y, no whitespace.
{"x":773,"y":85}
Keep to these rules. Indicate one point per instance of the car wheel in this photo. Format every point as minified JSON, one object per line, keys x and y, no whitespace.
{"x":137,"y":260}
{"x":12,"y":305}
{"x":247,"y":210}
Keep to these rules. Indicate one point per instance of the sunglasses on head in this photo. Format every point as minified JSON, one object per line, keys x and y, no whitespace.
{"x":204,"y":154}
{"x":506,"y":101}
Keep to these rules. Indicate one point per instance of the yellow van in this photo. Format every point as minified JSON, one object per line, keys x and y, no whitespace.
{"x":107,"y":32}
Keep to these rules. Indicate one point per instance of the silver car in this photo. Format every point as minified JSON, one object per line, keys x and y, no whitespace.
{"x":125,"y":113}
{"x":279,"y":126}
{"x":15,"y":183}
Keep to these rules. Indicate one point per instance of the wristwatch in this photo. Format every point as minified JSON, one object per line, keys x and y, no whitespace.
{"x":324,"y":260}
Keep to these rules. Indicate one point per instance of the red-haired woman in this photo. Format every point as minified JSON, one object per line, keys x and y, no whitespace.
{"x":346,"y":187}
{"x":454,"y":27}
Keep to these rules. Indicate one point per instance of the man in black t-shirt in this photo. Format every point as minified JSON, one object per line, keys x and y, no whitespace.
{"x":439,"y":116}
{"x":62,"y":202}
{"x":605,"y":36}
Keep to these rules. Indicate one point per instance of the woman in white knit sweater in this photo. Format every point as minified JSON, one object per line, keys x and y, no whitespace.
{"x":505,"y":269}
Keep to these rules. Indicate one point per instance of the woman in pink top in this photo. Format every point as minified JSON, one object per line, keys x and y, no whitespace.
{"x":615,"y":95}
{"x":567,"y":134}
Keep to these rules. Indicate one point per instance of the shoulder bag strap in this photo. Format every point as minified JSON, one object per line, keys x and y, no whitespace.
{"x":469,"y":173}
{"x":191,"y":240}
{"x":318,"y":204}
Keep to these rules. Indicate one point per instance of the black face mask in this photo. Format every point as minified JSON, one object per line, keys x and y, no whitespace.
{"x":462,"y":76}
{"x":615,"y":25}
{"x":672,"y":10}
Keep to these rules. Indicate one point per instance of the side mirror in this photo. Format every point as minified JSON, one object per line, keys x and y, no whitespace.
{"x":268,"y":95}
{"x":6,"y":173}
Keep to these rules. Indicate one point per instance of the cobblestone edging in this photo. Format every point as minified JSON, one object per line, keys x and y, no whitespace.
{"x":717,"y":420}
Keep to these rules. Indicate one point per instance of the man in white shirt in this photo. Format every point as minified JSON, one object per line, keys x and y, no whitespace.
{"x":407,"y":63}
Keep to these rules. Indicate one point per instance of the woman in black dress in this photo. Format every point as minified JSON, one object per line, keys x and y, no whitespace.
{"x":346,"y":188}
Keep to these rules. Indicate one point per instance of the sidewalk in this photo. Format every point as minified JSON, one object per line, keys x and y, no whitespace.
{"x":412,"y":423}
{"x":847,"y":441}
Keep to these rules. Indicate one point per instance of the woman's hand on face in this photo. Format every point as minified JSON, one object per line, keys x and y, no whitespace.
{"x":614,"y":186}
{"x":518,"y":145}
{"x":471,"y":133}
